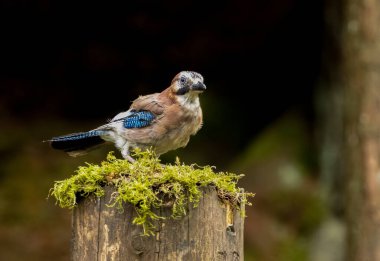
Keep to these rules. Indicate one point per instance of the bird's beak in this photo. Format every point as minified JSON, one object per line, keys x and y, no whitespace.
{"x":199,"y":86}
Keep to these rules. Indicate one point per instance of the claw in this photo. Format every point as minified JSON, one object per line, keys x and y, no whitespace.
{"x":130,"y":159}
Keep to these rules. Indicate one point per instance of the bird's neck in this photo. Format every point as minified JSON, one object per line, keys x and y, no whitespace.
{"x":189,"y":101}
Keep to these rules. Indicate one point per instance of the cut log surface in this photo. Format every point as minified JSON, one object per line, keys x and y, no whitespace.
{"x":211,"y":231}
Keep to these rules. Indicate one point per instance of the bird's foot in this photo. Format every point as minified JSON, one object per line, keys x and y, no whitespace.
{"x":130,"y":159}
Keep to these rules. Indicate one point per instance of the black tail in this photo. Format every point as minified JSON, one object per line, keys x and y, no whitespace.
{"x":78,"y":142}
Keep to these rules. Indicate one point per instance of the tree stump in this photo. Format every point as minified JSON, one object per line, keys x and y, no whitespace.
{"x":211,"y":231}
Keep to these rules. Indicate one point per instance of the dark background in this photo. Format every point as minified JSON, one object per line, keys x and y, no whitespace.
{"x":69,"y":66}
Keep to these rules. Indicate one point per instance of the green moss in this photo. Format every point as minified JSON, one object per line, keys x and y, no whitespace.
{"x":148,"y":185}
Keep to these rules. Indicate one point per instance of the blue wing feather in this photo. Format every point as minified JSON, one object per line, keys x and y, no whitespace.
{"x":139,"y":119}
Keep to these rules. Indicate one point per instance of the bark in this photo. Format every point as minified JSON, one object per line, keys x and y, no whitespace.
{"x":212,"y":231}
{"x":355,"y":43}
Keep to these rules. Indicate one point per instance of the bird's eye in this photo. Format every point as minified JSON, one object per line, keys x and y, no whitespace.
{"x":182,"y":79}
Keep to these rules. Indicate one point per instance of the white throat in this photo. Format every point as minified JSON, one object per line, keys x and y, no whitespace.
{"x":189,"y":101}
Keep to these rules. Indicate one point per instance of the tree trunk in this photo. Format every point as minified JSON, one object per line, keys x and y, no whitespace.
{"x":362,"y":128}
{"x":355,"y":35}
{"x":211,"y":231}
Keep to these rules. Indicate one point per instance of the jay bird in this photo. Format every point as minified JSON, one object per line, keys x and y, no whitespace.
{"x":162,"y":121}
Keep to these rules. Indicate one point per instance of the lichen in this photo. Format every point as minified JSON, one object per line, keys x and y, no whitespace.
{"x":148,"y":185}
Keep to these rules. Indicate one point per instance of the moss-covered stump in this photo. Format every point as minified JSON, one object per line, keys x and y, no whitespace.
{"x":149,"y":211}
{"x":211,"y":231}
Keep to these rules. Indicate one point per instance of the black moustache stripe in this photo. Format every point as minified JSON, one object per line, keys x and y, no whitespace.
{"x":183,"y":90}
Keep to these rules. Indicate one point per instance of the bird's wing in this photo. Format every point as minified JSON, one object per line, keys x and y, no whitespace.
{"x":138,"y":119}
{"x":151,"y":103}
{"x":142,"y":113}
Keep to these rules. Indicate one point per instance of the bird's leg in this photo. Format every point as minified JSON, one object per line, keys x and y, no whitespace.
{"x":125,"y":153}
{"x":130,"y":159}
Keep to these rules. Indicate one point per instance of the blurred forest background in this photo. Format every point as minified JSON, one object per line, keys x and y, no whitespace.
{"x":292,"y":99}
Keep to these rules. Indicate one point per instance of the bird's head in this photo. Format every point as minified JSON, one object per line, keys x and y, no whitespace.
{"x":187,"y":83}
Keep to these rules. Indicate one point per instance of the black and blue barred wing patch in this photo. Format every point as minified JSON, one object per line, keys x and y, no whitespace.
{"x":138,"y":119}
{"x":77,"y":141}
